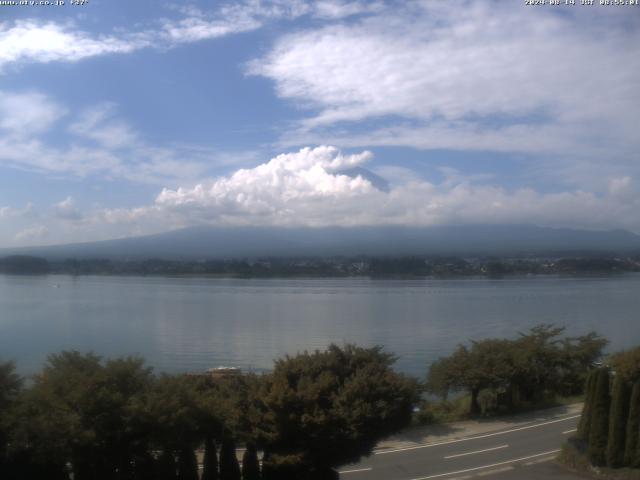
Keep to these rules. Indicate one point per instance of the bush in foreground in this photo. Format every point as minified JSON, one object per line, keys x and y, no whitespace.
{"x":329,"y":408}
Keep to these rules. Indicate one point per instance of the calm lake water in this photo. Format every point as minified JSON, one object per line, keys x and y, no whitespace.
{"x":184,"y":324}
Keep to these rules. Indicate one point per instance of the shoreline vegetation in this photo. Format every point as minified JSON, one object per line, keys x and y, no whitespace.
{"x":116,"y":419}
{"x":361,"y":266}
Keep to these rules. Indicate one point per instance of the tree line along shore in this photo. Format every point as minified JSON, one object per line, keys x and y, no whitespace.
{"x":410,"y":266}
{"x":84,"y":417}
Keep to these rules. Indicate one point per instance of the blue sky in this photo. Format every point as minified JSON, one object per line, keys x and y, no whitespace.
{"x":125,"y":118}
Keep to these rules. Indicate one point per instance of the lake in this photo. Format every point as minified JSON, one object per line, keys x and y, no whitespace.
{"x":188,"y":324}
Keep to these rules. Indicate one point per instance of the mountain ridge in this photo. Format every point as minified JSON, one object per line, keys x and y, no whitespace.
{"x":252,"y":242}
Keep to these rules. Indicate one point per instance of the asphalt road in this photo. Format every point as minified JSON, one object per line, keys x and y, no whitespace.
{"x":522,"y":452}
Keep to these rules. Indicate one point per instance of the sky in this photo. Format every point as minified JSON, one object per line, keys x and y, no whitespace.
{"x":122,"y":118}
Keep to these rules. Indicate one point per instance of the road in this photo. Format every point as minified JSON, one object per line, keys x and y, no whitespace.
{"x":523,"y":452}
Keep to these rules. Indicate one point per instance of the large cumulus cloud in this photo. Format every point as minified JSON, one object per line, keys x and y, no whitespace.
{"x":305,"y":187}
{"x":309,"y":188}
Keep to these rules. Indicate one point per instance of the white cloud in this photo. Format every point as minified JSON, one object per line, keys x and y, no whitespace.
{"x":273,"y":191}
{"x":6,"y":212}
{"x":67,"y":210}
{"x":27,"y":113}
{"x":464,"y":76}
{"x":98,"y":124}
{"x":32,"y":234}
{"x":144,"y":164}
{"x":99,"y":143}
{"x":28,"y":212}
{"x":340,"y":9}
{"x":304,"y":188}
{"x":200,"y":26}
{"x":36,"y":41}
{"x":622,"y":187}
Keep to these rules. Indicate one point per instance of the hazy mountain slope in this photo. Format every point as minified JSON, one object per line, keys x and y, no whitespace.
{"x":212,"y":242}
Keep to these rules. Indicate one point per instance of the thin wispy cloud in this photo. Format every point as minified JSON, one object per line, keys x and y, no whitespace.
{"x":35,"y":233}
{"x":27,"y":41}
{"x":463,"y":77}
{"x":35,"y":41}
{"x":99,"y":143}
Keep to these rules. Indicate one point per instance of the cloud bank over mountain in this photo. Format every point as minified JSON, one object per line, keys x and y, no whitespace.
{"x":307,"y":188}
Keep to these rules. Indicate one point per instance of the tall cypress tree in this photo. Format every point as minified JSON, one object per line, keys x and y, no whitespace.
{"x":585,"y":418}
{"x":250,"y":463}
{"x":632,"y":446}
{"x":144,"y":466}
{"x":268,"y":472}
{"x":599,"y":428}
{"x":229,"y":466}
{"x":210,"y":461}
{"x":618,"y":422}
{"x":166,"y":466}
{"x":187,"y":464}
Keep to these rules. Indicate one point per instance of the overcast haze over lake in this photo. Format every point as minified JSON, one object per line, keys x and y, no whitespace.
{"x":184,"y":324}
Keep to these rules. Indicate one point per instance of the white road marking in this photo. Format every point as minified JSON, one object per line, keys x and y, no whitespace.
{"x":466,"y":439}
{"x":494,"y":471}
{"x":542,"y":460}
{"x":570,"y":431}
{"x":477,"y":451}
{"x":486,"y":466}
{"x":356,"y":470}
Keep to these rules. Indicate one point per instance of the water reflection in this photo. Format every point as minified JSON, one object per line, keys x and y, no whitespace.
{"x":189,"y":324}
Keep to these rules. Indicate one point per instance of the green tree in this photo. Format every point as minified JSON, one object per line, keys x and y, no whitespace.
{"x":57,"y":415}
{"x":618,"y":422}
{"x":577,"y":356}
{"x":599,"y":429}
{"x":81,"y":411}
{"x":324,"y":409}
{"x":587,"y":408}
{"x":488,"y":364}
{"x":632,"y":446}
{"x":627,"y":364}
{"x":187,"y":464}
{"x":441,"y":377}
{"x":229,"y":466}
{"x":170,"y":411}
{"x":10,"y":386}
{"x":536,"y":364}
{"x":144,"y":466}
{"x":167,"y":468}
{"x":250,"y":463}
{"x":539,"y":362}
{"x":122,"y":382}
{"x":210,"y":461}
